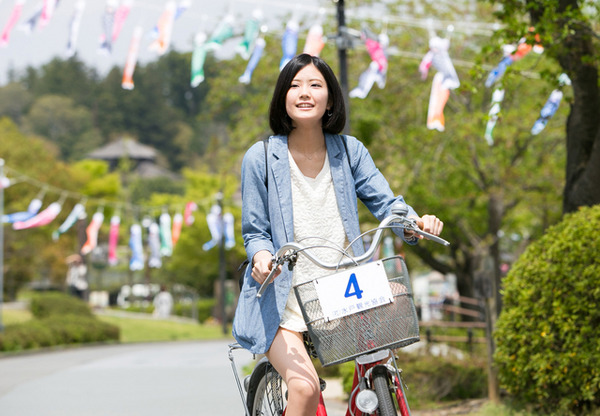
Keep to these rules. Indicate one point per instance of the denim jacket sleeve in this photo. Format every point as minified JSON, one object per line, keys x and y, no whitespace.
{"x":256,"y":227}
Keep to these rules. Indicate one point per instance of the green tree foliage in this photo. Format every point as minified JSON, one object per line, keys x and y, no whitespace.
{"x":548,"y":354}
{"x":69,"y":126}
{"x":568,"y":29}
{"x":27,"y":254}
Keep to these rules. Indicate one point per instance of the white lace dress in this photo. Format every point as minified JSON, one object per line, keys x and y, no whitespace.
{"x":316,"y":214}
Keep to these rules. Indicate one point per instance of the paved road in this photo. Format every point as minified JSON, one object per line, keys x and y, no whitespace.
{"x":175,"y":379}
{"x":190,"y":378}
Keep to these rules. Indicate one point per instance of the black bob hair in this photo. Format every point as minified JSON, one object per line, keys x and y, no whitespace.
{"x":334,"y":119}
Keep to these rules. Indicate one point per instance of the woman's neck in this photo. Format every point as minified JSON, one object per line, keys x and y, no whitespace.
{"x":307,"y":140}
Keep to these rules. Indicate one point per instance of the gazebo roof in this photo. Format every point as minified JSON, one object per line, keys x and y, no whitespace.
{"x":124,"y":147}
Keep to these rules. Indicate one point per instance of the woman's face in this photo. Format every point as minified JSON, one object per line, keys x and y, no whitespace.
{"x":308,"y":98}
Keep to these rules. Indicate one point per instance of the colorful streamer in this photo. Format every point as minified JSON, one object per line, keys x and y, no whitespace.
{"x":92,"y":233}
{"x":497,"y":98}
{"x":4,"y":182}
{"x":512,"y":55}
{"x":198,"y":59}
{"x":113,"y":239}
{"x":77,"y":213}
{"x":154,"y":260}
{"x":166,"y":239}
{"x":550,"y":106}
{"x":222,"y":32}
{"x":188,"y":213}
{"x":289,"y":42}
{"x":165,"y":29}
{"x":12,"y":21}
{"x":251,"y":33}
{"x":108,"y":19}
{"x":444,"y":80}
{"x":29,"y":25}
{"x":181,"y":8}
{"x":119,"y":19}
{"x":314,"y":40}
{"x":43,"y":218}
{"x":220,"y":226}
{"x":132,"y":56}
{"x":257,"y":52}
{"x":32,"y":209}
{"x":137,"y":249}
{"x":372,"y":75}
{"x":376,"y":47}
{"x":176,"y":231}
{"x":47,"y":12}
{"x":74,"y":28}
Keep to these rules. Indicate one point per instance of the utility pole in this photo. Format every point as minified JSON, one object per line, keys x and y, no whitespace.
{"x":222,"y":261}
{"x":342,"y":44}
{"x":1,"y":243}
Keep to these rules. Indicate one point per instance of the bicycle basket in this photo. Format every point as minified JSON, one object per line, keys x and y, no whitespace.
{"x":392,"y":325}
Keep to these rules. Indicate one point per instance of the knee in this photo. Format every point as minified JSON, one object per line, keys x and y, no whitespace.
{"x":305,"y":390}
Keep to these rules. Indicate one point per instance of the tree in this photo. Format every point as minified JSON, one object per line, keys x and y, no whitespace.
{"x":568,"y":29}
{"x":68,"y":125}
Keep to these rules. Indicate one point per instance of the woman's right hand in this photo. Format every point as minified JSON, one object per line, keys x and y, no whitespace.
{"x":263,"y":264}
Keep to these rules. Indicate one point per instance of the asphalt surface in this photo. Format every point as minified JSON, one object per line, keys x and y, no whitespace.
{"x":177,"y":378}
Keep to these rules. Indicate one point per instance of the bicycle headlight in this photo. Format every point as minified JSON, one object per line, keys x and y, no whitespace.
{"x":366,"y":401}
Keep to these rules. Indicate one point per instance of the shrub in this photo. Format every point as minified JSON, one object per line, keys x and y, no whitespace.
{"x":548,"y":351}
{"x":59,"y":319}
{"x":56,"y":330}
{"x":57,"y":303}
{"x":205,"y":307}
{"x":433,"y":379}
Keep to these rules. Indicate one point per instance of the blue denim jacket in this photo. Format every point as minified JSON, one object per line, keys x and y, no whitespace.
{"x":267,"y":222}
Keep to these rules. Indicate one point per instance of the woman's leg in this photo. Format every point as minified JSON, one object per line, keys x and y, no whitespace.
{"x":289,"y":357}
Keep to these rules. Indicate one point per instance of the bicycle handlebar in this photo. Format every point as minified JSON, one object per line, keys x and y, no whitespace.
{"x":396,"y":219}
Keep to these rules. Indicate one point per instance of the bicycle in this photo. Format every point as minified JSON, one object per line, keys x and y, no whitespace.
{"x":341,"y":328}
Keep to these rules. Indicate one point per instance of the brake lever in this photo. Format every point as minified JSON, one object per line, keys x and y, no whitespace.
{"x":411,"y":225}
{"x":270,"y":277}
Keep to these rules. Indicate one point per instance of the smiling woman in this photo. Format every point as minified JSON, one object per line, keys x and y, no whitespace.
{"x":313,"y":170}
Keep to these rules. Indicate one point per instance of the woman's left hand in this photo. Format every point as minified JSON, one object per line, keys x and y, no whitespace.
{"x":428,"y":223}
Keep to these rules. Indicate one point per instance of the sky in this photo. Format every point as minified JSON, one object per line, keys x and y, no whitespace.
{"x":45,"y":43}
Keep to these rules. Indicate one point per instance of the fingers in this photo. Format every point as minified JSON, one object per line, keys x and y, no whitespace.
{"x":261,"y":271}
{"x":431,"y":224}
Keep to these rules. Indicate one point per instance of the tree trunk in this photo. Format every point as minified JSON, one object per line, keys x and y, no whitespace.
{"x":577,"y":58}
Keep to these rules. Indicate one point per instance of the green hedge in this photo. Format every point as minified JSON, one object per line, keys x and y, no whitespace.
{"x":434,"y":379}
{"x":548,"y":349}
{"x":205,"y":309}
{"x":59,"y":319}
{"x":57,"y":303}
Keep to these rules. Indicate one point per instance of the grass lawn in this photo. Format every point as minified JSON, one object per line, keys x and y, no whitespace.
{"x":140,"y":330}
{"x":148,"y":330}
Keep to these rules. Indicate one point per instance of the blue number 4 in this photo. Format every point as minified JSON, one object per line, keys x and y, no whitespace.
{"x":352,"y":289}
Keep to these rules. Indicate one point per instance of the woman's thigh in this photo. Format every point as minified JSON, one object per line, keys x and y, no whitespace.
{"x":289,"y":357}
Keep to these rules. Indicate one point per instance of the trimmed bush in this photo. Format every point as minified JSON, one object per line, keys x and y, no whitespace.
{"x":548,"y":349}
{"x":57,"y":303}
{"x":59,"y":319}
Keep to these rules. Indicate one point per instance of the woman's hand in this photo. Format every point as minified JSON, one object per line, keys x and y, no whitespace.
{"x":263,"y":265}
{"x":428,"y":223}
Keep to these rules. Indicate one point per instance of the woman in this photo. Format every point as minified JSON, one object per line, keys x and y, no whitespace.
{"x":305,"y":184}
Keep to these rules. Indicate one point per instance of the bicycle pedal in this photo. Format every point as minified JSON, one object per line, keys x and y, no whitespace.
{"x":323,"y":384}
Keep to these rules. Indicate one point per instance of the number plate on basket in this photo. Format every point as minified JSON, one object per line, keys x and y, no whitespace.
{"x":354,"y":290}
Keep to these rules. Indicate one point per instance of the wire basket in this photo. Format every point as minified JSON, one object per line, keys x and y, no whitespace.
{"x":393,"y":325}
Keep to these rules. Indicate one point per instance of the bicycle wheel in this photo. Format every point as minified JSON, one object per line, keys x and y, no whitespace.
{"x":266,"y":395}
{"x":382,"y":390}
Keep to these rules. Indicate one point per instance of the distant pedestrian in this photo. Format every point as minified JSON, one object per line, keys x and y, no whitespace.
{"x":163,"y":303}
{"x":76,"y":276}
